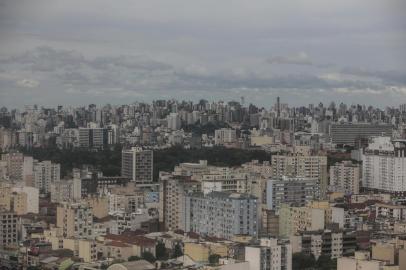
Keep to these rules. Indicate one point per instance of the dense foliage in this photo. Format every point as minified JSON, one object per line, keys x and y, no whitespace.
{"x":208,"y":128}
{"x":214,"y":258}
{"x":109,"y":160}
{"x":302,"y":261}
{"x":148,"y":256}
{"x":161,"y":252}
{"x":166,"y":159}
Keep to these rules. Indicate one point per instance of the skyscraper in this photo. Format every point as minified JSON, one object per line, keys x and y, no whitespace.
{"x":384,"y":165}
{"x":137,"y":164}
{"x":46,"y":173}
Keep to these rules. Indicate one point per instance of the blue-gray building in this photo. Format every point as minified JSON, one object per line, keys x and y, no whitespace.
{"x":221,"y":214}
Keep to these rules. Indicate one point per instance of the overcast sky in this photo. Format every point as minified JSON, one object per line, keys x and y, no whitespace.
{"x":103,"y":51}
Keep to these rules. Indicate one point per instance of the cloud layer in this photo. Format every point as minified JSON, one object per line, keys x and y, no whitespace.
{"x":75,"y":52}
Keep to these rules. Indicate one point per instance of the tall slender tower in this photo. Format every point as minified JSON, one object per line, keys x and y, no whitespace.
{"x":278,"y":107}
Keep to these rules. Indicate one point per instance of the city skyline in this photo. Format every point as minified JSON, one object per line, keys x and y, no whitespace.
{"x":70,"y":52}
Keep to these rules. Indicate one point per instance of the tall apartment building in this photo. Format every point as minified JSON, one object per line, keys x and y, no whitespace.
{"x":294,"y":191}
{"x":295,"y":219}
{"x":93,"y":137}
{"x":174,"y":122}
{"x":7,"y":139}
{"x":19,"y":167}
{"x":345,"y":177}
{"x":137,"y":164}
{"x":221,"y":214}
{"x":8,"y":229}
{"x":269,"y":223}
{"x":225,"y":136}
{"x":75,"y":220}
{"x":62,"y":191}
{"x":46,"y":173}
{"x":270,"y":254}
{"x":172,"y":200}
{"x":384,"y":165}
{"x":334,"y":244}
{"x":310,"y":167}
{"x":347,"y":133}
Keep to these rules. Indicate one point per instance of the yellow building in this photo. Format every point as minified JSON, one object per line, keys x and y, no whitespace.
{"x":294,"y":219}
{"x":5,"y":197}
{"x":84,"y":249}
{"x":19,"y":203}
{"x":200,"y":252}
{"x":100,"y":206}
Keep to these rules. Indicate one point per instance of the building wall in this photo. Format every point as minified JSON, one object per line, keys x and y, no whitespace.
{"x":345,"y":177}
{"x":221,"y":214}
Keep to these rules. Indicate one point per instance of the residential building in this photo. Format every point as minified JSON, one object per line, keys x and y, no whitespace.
{"x":310,"y":167}
{"x":348,"y":133}
{"x":137,"y":164}
{"x":172,"y":204}
{"x":296,"y":191}
{"x":8,"y":229}
{"x":225,"y":136}
{"x":384,"y":165}
{"x":295,"y":219}
{"x":221,"y":214}
{"x":270,"y":254}
{"x":29,"y":197}
{"x":75,"y":220}
{"x":332,"y":243}
{"x":391,"y":211}
{"x":93,"y":137}
{"x":173,"y":121}
{"x":46,"y":173}
{"x":345,"y":177}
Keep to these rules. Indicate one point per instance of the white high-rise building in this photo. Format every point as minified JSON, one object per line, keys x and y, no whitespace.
{"x":224,"y":136}
{"x":46,"y":173}
{"x":174,"y":122}
{"x":270,"y":254}
{"x":384,"y":165}
{"x":137,"y":164}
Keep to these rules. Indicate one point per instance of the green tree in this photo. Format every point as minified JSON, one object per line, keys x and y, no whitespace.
{"x":161,"y":252}
{"x":133,"y":258}
{"x":148,"y":256}
{"x":214,"y":258}
{"x":301,"y":261}
{"x":324,"y":262}
{"x":177,"y":251}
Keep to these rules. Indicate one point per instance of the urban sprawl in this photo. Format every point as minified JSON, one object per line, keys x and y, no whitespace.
{"x":207,"y":185}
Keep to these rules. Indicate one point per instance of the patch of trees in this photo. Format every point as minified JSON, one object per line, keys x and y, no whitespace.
{"x":208,"y":128}
{"x":109,"y":160}
{"x":167,"y":159}
{"x":302,"y":261}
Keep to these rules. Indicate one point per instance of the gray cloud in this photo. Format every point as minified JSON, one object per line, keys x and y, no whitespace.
{"x":136,"y":49}
{"x":300,"y":58}
{"x":122,"y":77}
{"x":388,"y":76}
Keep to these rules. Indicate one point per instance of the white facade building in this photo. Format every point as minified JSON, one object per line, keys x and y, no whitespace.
{"x":384,"y":165}
{"x":46,"y":173}
{"x":224,"y":136}
{"x":270,"y":254}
